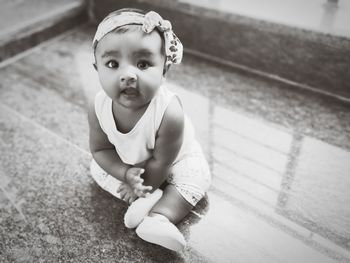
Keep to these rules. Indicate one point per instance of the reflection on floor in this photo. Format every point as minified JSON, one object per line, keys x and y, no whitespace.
{"x":280,"y":186}
{"x":296,"y":181}
{"x":327,"y":16}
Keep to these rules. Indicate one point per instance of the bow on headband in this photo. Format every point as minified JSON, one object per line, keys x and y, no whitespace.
{"x":149,"y":21}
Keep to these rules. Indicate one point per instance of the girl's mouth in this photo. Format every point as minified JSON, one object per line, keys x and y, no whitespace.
{"x":130,"y":92}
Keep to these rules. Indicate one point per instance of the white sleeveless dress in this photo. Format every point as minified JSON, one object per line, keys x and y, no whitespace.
{"x":190,"y":172}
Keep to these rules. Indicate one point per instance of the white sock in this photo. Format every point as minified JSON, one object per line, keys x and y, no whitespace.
{"x":159,"y":230}
{"x":140,"y":208}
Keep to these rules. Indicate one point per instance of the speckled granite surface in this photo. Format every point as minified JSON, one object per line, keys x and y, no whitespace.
{"x":278,"y":157}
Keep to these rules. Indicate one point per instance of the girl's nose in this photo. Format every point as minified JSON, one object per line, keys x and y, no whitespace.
{"x":128,"y":77}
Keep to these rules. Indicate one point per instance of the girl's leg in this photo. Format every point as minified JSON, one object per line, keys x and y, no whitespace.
{"x":158,"y":227}
{"x":104,"y":180}
{"x":138,"y":209}
{"x":193,"y":175}
{"x":172,"y":205}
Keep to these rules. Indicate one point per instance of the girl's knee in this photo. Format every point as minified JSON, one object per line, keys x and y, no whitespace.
{"x":172,"y":205}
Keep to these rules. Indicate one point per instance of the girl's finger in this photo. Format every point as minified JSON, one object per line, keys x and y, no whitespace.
{"x":132,"y":199}
{"x":139,"y":180}
{"x":147,"y":188}
{"x":120,"y":188}
{"x":137,"y":192}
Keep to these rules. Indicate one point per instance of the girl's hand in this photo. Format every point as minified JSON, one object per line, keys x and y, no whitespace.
{"x":126,"y":193}
{"x":133,"y":178}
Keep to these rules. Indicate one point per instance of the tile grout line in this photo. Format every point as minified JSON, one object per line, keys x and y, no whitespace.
{"x":44,"y":129}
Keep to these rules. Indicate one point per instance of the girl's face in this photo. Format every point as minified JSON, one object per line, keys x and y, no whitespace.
{"x":130,"y":67}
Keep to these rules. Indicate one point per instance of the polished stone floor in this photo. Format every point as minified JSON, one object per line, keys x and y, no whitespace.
{"x":279,"y":159}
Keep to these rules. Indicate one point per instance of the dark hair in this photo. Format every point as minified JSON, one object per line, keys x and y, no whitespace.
{"x":119,"y":11}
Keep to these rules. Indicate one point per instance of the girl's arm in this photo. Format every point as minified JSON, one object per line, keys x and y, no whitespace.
{"x":167,"y":146}
{"x":105,"y":155}
{"x":103,"y":151}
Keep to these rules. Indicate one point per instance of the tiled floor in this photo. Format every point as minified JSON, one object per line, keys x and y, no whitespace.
{"x":327,"y":16}
{"x":279,"y":159}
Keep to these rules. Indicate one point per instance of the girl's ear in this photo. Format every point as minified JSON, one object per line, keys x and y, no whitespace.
{"x":95,"y":66}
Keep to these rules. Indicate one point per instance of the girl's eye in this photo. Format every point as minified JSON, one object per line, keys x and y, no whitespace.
{"x":143,"y":64}
{"x":112,"y":64}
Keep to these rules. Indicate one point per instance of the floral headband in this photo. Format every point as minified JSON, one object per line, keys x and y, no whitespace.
{"x":149,"y":21}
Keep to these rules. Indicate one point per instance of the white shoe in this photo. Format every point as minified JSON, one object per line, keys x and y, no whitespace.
{"x":141,"y":208}
{"x":159,"y":230}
